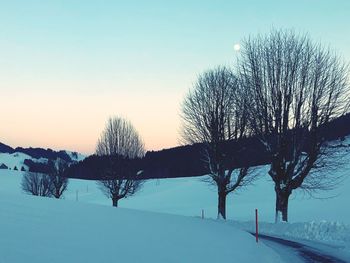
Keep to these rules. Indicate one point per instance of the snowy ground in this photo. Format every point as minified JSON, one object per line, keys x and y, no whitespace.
{"x":325,"y":221}
{"x":14,"y":160}
{"x":188,"y":196}
{"x":35,"y":229}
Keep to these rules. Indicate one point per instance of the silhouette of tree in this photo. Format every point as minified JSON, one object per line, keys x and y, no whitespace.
{"x":36,"y":184}
{"x":295,"y":88}
{"x":58,"y":181}
{"x":212,"y":114}
{"x":120,"y":140}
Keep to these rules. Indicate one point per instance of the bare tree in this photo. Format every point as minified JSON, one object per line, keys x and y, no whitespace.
{"x":122,"y":141}
{"x":58,"y":182}
{"x":212,"y":115}
{"x":36,"y":184}
{"x":295,"y":88}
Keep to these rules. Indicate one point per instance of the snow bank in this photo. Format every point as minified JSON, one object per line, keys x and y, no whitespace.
{"x":322,"y":231}
{"x":47,"y":230}
{"x":330,"y":237}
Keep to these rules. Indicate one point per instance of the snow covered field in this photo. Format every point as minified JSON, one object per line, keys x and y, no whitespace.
{"x":323,"y":220}
{"x":85,"y":221}
{"x":36,"y":229}
{"x":47,"y":230}
{"x":188,"y":196}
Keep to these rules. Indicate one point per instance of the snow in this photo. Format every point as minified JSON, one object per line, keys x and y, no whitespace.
{"x":320,"y":220}
{"x":284,"y":252}
{"x":49,"y":230}
{"x":14,"y":160}
{"x":188,"y":196}
{"x":331,"y":233}
{"x":331,"y":237}
{"x":75,"y":156}
{"x":323,"y":221}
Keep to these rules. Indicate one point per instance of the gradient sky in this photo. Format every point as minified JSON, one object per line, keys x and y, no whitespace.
{"x":66,"y":66}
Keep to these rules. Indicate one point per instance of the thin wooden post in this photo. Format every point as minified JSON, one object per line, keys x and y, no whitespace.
{"x":256,"y":226}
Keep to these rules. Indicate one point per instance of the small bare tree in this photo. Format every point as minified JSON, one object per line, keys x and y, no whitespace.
{"x":36,"y":184}
{"x":295,"y":88}
{"x":212,"y":114}
{"x":58,"y":182}
{"x":122,"y":141}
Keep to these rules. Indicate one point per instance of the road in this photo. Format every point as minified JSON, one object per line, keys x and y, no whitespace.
{"x":297,"y":252}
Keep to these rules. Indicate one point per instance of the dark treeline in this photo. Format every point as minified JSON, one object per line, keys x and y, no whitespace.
{"x":44,"y":153}
{"x":187,"y":161}
{"x":38,"y":167}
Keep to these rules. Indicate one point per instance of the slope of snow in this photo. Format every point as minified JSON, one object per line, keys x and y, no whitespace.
{"x":75,"y":156}
{"x":12,"y":160}
{"x":16,"y":159}
{"x":48,"y":230}
{"x":188,"y":196}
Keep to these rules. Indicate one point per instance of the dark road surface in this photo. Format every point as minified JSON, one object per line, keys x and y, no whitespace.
{"x":306,"y":253}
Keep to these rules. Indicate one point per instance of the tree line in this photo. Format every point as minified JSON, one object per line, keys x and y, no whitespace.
{"x":284,"y":90}
{"x":282,"y":94}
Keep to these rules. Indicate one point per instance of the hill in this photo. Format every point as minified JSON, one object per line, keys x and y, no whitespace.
{"x":181,"y":161}
{"x":187,"y":161}
{"x":48,"y":230}
{"x":33,"y":159}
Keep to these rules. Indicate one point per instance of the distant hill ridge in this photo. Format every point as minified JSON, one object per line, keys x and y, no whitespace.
{"x":180,"y":161}
{"x":34,"y":159}
{"x":38,"y":153}
{"x":187,"y":160}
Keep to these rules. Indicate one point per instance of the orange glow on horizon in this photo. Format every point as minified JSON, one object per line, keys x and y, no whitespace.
{"x":71,"y":121}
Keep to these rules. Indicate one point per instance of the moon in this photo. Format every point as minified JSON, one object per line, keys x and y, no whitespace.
{"x":237,"y":47}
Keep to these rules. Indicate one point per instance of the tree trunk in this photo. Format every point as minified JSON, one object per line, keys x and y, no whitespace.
{"x":282,"y":197}
{"x":57,"y":193}
{"x":115,"y":201}
{"x":222,"y":204}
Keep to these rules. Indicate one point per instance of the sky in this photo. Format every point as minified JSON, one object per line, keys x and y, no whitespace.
{"x":67,"y":66}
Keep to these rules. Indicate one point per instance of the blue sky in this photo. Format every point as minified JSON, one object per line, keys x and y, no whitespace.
{"x":66,"y":66}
